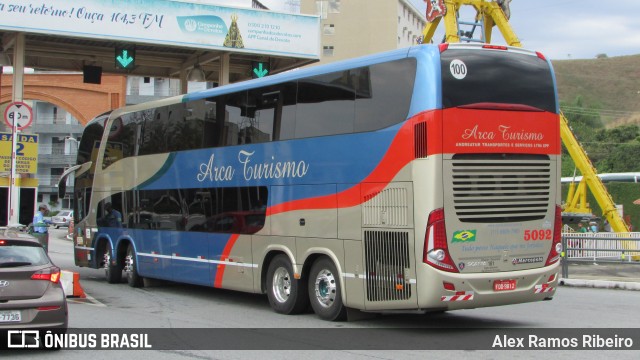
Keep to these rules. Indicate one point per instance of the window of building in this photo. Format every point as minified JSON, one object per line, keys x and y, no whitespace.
{"x":327,"y":51}
{"x":329,"y":29}
{"x":322,"y":7}
{"x":334,"y":6}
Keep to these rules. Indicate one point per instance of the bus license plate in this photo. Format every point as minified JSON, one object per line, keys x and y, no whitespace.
{"x":504,"y":285}
{"x":10,"y":316}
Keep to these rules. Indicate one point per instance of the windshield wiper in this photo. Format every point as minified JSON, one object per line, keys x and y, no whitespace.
{"x":14,"y":264}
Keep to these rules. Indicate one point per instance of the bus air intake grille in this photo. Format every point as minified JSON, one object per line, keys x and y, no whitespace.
{"x":501,"y":187}
{"x":420,"y":140}
{"x":387,"y":265}
{"x":388,"y":207}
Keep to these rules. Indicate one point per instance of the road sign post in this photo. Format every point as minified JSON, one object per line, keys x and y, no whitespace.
{"x":18,"y":116}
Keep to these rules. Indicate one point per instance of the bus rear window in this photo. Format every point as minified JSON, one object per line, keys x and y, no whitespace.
{"x":499,"y":77}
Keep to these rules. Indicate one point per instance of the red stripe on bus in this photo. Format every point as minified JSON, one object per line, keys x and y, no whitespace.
{"x":225,"y":255}
{"x":400,"y":153}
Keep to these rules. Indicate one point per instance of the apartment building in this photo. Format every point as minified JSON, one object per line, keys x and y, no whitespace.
{"x":352,"y":28}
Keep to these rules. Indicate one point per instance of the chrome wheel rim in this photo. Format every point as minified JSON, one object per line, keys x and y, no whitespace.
{"x":128,"y":264}
{"x":281,"y":288}
{"x":325,"y":288}
{"x":107,"y":259}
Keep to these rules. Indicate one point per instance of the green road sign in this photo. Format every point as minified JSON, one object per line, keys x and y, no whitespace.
{"x":259,"y":69}
{"x":125,"y":58}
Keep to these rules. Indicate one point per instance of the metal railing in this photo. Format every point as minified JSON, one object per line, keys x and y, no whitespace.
{"x":603,"y":247}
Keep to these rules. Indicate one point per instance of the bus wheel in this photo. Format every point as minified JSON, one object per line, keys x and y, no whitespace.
{"x":324,"y":291}
{"x":286,"y":294}
{"x":131,"y":268}
{"x":113,"y":273}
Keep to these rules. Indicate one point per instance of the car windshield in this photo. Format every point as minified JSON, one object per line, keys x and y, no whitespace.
{"x":18,"y":255}
{"x":65,"y":213}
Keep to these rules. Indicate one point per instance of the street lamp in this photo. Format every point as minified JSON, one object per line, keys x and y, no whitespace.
{"x":197,"y":74}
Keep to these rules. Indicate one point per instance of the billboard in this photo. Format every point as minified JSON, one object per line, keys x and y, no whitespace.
{"x":169,"y":23}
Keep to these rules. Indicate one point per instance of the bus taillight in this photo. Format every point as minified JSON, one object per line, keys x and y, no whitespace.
{"x":556,"y":246}
{"x":436,"y":249}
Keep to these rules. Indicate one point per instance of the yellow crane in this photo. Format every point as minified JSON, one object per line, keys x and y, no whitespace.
{"x":496,"y":13}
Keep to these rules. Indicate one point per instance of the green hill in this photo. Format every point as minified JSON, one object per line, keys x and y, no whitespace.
{"x":610,"y":84}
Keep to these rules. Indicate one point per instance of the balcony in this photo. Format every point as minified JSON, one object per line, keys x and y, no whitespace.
{"x":55,"y":125}
{"x":49,"y":183}
{"x":56,"y":154}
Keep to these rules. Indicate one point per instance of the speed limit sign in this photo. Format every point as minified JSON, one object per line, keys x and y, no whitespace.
{"x":18,"y":114}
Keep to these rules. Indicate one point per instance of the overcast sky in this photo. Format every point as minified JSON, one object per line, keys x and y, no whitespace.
{"x":563,"y":29}
{"x":576,"y":29}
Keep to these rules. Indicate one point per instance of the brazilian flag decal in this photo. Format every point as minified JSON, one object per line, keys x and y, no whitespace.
{"x":464,"y":236}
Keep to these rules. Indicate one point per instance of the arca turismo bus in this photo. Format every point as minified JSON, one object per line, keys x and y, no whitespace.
{"x":421,"y":179}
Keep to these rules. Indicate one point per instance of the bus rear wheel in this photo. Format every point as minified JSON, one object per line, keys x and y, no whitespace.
{"x":286,"y":294}
{"x":131,"y":268}
{"x":324,"y":291}
{"x":112,"y":272}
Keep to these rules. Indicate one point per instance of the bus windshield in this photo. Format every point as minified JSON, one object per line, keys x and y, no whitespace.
{"x":496,"y":76}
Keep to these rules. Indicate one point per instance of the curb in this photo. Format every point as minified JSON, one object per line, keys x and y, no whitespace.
{"x":71,"y":284}
{"x":600,"y":284}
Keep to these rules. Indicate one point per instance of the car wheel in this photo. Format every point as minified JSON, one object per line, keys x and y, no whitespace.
{"x":286,"y":294}
{"x":324,"y":291}
{"x":131,"y":268}
{"x":113,"y":273}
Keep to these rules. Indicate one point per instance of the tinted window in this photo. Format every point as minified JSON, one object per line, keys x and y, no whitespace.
{"x":272,"y":110}
{"x":91,"y":137}
{"x":219,"y":210}
{"x":490,"y":76}
{"x":383,"y":94}
{"x":326,"y":105}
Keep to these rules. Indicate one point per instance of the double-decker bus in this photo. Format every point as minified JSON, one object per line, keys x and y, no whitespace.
{"x":421,"y":179}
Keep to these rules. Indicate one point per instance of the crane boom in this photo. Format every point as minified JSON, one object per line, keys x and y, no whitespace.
{"x":490,"y":13}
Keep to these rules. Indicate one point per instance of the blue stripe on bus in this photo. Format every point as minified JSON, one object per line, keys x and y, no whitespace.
{"x":342,"y":159}
{"x":189,"y":257}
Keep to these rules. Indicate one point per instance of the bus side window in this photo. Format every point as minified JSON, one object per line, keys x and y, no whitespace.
{"x":325,"y":105}
{"x":272,"y":113}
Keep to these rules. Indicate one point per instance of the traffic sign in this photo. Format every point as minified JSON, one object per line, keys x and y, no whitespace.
{"x":125,"y":57}
{"x":259,"y":69}
{"x":18,"y":114}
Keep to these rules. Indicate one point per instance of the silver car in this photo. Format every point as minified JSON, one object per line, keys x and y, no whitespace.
{"x":63,"y":218}
{"x":31,"y":295}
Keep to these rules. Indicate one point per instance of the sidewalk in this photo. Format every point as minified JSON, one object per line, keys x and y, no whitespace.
{"x":605,"y":276}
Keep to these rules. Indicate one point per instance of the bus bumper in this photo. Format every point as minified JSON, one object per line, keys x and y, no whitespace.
{"x":467,"y":291}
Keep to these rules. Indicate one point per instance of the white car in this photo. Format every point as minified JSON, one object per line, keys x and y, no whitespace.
{"x":62,"y":219}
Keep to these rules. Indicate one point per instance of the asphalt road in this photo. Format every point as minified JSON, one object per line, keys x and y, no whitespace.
{"x":177,"y":306}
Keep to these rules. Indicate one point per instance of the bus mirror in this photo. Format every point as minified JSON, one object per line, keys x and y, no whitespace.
{"x":62,"y":183}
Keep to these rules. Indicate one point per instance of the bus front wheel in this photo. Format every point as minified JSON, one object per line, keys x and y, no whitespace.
{"x":131,"y":268}
{"x":324,"y":291}
{"x":112,"y":272}
{"x":286,"y":294}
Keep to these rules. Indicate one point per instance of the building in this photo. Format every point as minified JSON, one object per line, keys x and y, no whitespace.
{"x":352,"y":28}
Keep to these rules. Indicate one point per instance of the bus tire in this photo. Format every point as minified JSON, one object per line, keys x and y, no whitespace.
{"x":113,"y":273}
{"x":324,"y":291}
{"x":286,"y":294}
{"x":131,"y":268}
